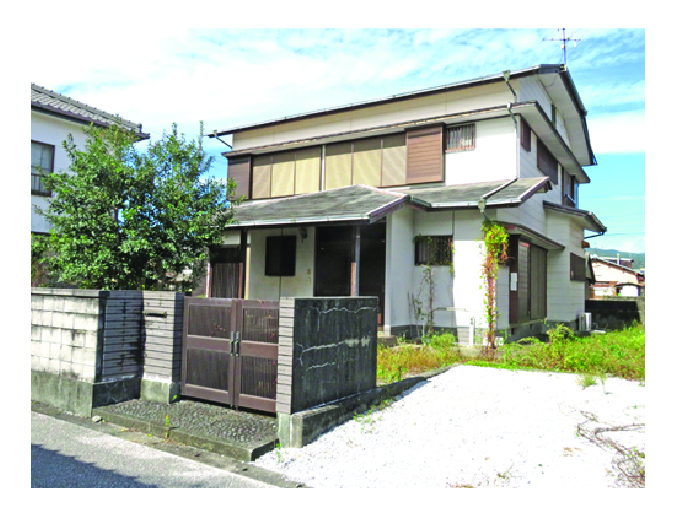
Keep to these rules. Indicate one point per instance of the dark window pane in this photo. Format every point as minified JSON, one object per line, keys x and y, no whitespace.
{"x":280,"y":257}
{"x":433,"y":250}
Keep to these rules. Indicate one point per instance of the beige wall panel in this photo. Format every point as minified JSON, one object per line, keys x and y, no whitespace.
{"x":394,"y":158}
{"x":337,"y":165}
{"x":395,"y":112}
{"x":283,"y":174}
{"x":367,"y":162}
{"x":261,"y":176}
{"x":307,"y":170}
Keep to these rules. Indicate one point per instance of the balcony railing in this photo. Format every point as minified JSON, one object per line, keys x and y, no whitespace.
{"x":37,"y":185}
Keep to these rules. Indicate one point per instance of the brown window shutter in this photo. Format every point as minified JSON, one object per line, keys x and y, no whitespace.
{"x":367,"y":162}
{"x":547,"y":162}
{"x":425,"y":155}
{"x":525,"y":135}
{"x":261,"y":176}
{"x":307,"y":170}
{"x":238,"y":169}
{"x":337,"y":165}
{"x":283,"y":174}
{"x":394,"y":157}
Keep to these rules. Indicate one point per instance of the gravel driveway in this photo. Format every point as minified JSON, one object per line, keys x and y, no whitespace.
{"x":476,"y":427}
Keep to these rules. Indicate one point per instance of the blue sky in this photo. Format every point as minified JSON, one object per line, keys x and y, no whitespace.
{"x":229,"y":77}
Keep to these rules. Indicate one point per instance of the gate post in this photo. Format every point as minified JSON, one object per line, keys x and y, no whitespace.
{"x":285,"y":371}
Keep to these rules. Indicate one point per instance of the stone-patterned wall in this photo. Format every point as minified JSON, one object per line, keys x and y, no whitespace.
{"x":328,"y":350}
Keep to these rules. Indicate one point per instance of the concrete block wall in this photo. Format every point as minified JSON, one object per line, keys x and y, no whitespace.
{"x":93,"y":348}
{"x":65,"y":325}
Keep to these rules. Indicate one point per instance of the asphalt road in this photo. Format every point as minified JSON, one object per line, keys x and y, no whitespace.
{"x":64,"y":454}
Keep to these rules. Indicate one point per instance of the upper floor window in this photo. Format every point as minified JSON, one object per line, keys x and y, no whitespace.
{"x":525,"y":135}
{"x":547,"y":163}
{"x":433,"y":250}
{"x":577,"y":268}
{"x":554,"y":115}
{"x":461,"y":138}
{"x":41,"y":162}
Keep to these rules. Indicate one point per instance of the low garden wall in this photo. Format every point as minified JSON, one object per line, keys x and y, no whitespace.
{"x":88,"y":348}
{"x":327,"y":351}
{"x":616,"y":312}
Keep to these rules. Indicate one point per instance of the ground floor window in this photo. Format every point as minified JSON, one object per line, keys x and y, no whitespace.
{"x":280,"y":256}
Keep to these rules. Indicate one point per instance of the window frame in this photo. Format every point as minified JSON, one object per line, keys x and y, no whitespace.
{"x":434,"y":242}
{"x":282,"y":246}
{"x":41,"y":191}
{"x":461,"y":147}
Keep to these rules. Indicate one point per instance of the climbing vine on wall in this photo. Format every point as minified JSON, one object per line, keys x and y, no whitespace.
{"x":495,"y":240}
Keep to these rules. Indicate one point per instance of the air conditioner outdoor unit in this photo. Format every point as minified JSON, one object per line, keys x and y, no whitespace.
{"x":585,"y":322}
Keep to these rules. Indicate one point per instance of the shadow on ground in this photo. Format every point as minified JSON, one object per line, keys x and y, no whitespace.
{"x":49,"y":468}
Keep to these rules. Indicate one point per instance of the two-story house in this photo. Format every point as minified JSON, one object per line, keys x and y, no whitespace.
{"x":52,"y":117}
{"x":358,"y":199}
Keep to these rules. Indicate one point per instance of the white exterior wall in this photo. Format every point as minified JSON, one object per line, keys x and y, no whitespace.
{"x":395,"y":112}
{"x":399,"y":269}
{"x":494,"y":156}
{"x":566,"y":298}
{"x":532,"y":89}
{"x":460,"y":290}
{"x":261,"y":287}
{"x":53,"y":131}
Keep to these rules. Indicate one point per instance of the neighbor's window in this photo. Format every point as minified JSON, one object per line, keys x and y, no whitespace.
{"x":433,"y":250}
{"x":525,"y":136}
{"x":280,"y":256}
{"x":461,"y":138}
{"x":41,"y":162}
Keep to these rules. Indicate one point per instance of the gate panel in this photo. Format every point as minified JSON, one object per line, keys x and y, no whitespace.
{"x":257,"y":358}
{"x":230,"y":351}
{"x":208,"y":363}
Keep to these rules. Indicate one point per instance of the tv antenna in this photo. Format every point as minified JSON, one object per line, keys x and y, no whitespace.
{"x":564,"y":41}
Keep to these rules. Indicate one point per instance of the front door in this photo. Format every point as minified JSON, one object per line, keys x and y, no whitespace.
{"x":333,"y":262}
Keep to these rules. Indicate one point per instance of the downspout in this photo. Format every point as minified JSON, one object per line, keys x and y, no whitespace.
{"x":506,"y":77}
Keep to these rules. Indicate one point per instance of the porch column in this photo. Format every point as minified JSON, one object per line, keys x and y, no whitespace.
{"x":355,"y":261}
{"x":242,"y":264}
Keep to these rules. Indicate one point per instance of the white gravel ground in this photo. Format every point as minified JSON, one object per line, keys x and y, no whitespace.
{"x":479,"y":427}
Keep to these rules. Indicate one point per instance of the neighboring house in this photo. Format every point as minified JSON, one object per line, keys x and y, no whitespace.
{"x":356,"y":200}
{"x":613,"y":279}
{"x":53,"y":117}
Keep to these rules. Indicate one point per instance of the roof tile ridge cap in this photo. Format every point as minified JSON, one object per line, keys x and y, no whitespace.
{"x":383,"y":191}
{"x":499,"y":188}
{"x":55,"y":95}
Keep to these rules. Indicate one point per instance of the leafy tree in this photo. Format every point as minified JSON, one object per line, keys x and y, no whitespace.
{"x":128,"y":220}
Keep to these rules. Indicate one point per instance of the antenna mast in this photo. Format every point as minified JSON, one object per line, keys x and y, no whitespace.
{"x":563,"y":40}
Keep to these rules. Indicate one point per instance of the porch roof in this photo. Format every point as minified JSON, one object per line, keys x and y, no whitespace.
{"x":589,"y":219}
{"x":365,"y":204}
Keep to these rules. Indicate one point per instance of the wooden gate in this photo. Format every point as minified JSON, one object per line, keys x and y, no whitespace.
{"x":230,"y":351}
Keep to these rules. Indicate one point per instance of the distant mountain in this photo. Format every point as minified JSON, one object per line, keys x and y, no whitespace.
{"x":639,"y":258}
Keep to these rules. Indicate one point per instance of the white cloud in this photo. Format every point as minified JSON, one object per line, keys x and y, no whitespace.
{"x":618,"y":133}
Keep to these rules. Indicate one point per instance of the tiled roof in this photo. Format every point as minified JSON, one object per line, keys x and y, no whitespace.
{"x":47,"y":100}
{"x":350,"y":203}
{"x":368,"y":204}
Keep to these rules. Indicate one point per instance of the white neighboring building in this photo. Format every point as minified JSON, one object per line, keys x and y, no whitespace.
{"x":355,"y":200}
{"x":54,"y":116}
